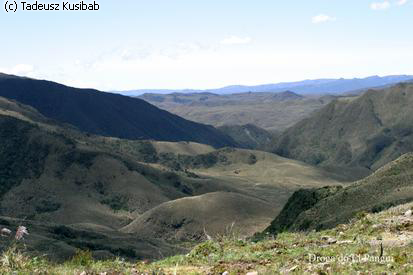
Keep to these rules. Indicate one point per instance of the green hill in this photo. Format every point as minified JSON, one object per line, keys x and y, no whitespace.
{"x":324,"y":208}
{"x":78,"y":190}
{"x":357,"y":134}
{"x":75,"y":191}
{"x":192,"y":218}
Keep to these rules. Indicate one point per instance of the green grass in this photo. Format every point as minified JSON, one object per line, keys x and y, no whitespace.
{"x":361,"y":134}
{"x":355,"y":248}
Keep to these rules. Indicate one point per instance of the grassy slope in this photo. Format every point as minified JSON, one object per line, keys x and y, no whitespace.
{"x":189,"y":218}
{"x":47,"y":178}
{"x":182,"y":148}
{"x":262,"y":183}
{"x":99,"y":185}
{"x":249,"y":136}
{"x":61,"y":177}
{"x":292,"y":253}
{"x":361,"y":133}
{"x":261,"y":176}
{"x":390,"y":185}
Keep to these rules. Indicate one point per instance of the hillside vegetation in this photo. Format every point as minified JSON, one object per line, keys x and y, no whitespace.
{"x":96,"y":203}
{"x":129,"y":198}
{"x":360,"y":134}
{"x":107,"y":114}
{"x":324,"y":208}
{"x":249,"y":136}
{"x":372,"y":243}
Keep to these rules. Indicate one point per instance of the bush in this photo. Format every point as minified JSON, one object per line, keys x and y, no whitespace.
{"x":117,"y":202}
{"x":205,"y":249}
{"x":82,"y":258}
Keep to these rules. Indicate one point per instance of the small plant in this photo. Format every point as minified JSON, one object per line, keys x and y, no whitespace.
{"x":360,"y":215}
{"x":117,"y":202}
{"x":20,"y":233}
{"x":252,"y":159}
{"x":205,"y":249}
{"x":13,"y":258}
{"x":401,"y":258}
{"x":82,"y":258}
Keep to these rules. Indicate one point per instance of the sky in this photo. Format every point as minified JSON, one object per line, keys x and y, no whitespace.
{"x":204,"y":44}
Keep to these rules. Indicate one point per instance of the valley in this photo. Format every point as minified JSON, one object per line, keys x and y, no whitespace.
{"x":206,"y":138}
{"x":273,"y":112}
{"x":151,"y":198}
{"x":84,"y":191}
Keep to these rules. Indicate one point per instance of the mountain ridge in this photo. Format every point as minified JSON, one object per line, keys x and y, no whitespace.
{"x":107,"y":114}
{"x":315,"y":86}
{"x":363,"y":132}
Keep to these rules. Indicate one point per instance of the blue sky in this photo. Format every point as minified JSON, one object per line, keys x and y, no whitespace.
{"x":134,"y":44}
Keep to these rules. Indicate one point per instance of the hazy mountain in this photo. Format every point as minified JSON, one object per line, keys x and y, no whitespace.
{"x":317,"y":86}
{"x":270,"y":111}
{"x":107,"y":114}
{"x":324,"y":208}
{"x":362,"y":132}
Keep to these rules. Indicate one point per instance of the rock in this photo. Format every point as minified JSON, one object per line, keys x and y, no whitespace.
{"x":377,"y":226}
{"x":345,"y":242}
{"x":293,"y":268}
{"x":331,"y":241}
{"x":252,"y":273}
{"x":5,"y":232}
{"x":328,"y":239}
{"x":409,"y":213}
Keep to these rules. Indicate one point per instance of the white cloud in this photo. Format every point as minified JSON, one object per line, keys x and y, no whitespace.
{"x":235,"y":40}
{"x":322,"y":18}
{"x":19,"y":69}
{"x":401,"y":2}
{"x":380,"y":5}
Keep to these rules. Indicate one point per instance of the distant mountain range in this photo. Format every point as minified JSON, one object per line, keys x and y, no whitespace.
{"x":146,"y":199}
{"x":107,"y":114}
{"x":317,"y":86}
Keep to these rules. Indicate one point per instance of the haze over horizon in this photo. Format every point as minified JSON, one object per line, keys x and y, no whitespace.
{"x":209,"y":44}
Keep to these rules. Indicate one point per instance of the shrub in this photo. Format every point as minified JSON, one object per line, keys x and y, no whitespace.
{"x":117,"y":202}
{"x":82,"y":258}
